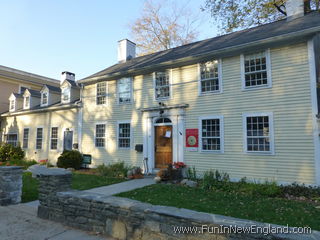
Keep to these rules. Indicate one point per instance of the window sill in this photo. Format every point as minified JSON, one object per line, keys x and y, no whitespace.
{"x":211,"y":151}
{"x":260,"y":153}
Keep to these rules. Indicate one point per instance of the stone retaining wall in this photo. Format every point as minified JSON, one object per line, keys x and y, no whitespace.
{"x":123,"y":218}
{"x":10,"y":185}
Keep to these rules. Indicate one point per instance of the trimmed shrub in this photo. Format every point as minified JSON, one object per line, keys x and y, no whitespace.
{"x":70,"y":159}
{"x":9,"y":152}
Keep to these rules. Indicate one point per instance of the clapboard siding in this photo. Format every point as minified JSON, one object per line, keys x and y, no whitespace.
{"x":289,"y":100}
{"x":62,"y":119}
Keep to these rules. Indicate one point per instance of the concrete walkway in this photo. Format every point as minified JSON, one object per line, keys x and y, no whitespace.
{"x":20,"y":222}
{"x":123,"y":187}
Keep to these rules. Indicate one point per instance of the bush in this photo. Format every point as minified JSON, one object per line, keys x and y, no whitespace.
{"x":116,"y":170}
{"x":192,"y":174}
{"x":70,"y":159}
{"x":297,"y":190}
{"x":10,"y":153}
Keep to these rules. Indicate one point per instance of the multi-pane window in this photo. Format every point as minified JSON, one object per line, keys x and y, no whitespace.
{"x":258,"y":134}
{"x":124,"y":135}
{"x":100,"y":135}
{"x":54,"y":138}
{"x":211,"y":134}
{"x":101,"y":93}
{"x":209,"y":76}
{"x":12,"y":105}
{"x":44,"y":98}
{"x":12,"y":139}
{"x":66,"y":94}
{"x":255,"y":70}
{"x":39,"y":138}
{"x":25,"y":138}
{"x":26,"y":102}
{"x":124,"y":90}
{"x":162,"y":85}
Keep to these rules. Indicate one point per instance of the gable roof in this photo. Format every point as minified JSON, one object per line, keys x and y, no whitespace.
{"x":52,"y":88}
{"x":280,"y":30}
{"x":71,"y":83}
{"x":34,"y":93}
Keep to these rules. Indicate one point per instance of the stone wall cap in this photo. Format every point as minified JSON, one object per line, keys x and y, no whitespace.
{"x":40,"y":170}
{"x":6,"y":168}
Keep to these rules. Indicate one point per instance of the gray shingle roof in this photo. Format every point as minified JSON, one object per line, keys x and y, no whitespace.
{"x":271,"y":30}
{"x":34,"y":93}
{"x":53,"y":88}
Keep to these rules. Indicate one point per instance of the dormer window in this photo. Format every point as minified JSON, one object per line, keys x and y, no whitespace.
{"x":66,"y":95}
{"x":12,"y":105}
{"x":26,"y":103}
{"x":44,"y":98}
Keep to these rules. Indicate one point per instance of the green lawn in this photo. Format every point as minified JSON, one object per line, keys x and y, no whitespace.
{"x":79,"y":182}
{"x":239,"y":205}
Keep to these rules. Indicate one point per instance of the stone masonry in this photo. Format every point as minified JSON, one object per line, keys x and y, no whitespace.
{"x":127,"y":219}
{"x":10,"y":185}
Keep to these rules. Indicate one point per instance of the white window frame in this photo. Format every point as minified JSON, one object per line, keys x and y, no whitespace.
{"x":271,"y":132}
{"x":105,"y":134}
{"x":44,"y":104}
{"x":219,"y":79}
{"x":12,"y":105}
{"x":221,"y":118}
{"x":39,"y":138}
{"x":25,"y":101}
{"x":69,"y":96}
{"x":23,"y":138}
{"x":170,"y":71}
{"x":54,"y":138}
{"x":13,"y":133}
{"x":268,"y":65}
{"x":106,"y":95}
{"x":131,"y":91}
{"x":131,"y":134}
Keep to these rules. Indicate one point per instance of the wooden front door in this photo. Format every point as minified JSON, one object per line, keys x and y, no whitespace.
{"x":163,"y":146}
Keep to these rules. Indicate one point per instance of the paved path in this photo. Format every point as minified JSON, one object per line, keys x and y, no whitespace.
{"x":123,"y":187}
{"x":20,"y":222}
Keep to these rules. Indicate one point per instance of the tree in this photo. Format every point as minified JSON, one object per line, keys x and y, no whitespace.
{"x":163,"y":25}
{"x":231,"y":15}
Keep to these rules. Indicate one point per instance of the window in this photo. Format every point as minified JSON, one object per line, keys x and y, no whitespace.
{"x":163,"y":120}
{"x":124,"y":90}
{"x":101,"y":93}
{"x":211,"y":134}
{"x":25,"y":138}
{"x":162,"y":85}
{"x":44,"y":98}
{"x":12,"y":138}
{"x":258,"y":133}
{"x":256,"y":70}
{"x":124,"y":135}
{"x":12,"y":105}
{"x":66,"y":94}
{"x":210,"y":77}
{"x":54,"y":138}
{"x":39,"y":138}
{"x":26,"y":102}
{"x":100,"y":135}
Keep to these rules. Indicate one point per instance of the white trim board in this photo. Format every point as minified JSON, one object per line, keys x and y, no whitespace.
{"x":314,"y":105}
{"x":271,"y":132}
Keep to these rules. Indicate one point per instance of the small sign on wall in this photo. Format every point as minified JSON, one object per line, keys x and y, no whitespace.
{"x":192,"y":139}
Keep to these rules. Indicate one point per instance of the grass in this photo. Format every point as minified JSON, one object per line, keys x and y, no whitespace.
{"x":79,"y":182}
{"x":246,"y":206}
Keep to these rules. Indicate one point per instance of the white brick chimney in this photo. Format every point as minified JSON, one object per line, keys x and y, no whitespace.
{"x":67,"y":76}
{"x":294,"y":9}
{"x":126,"y":50}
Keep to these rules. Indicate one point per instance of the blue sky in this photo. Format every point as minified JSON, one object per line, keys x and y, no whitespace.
{"x":47,"y":37}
